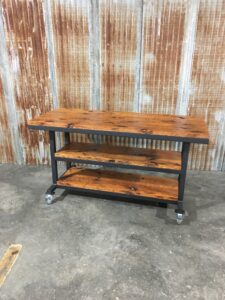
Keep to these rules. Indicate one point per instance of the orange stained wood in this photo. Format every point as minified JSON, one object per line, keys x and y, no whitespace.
{"x":8,"y":260}
{"x":119,"y":183}
{"x":168,"y":127}
{"x":97,"y":153}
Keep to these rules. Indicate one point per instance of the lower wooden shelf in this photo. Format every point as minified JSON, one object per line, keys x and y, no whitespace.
{"x":119,"y":183}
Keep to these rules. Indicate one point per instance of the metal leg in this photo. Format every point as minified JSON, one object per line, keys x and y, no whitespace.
{"x":51,"y":189}
{"x":181,"y":182}
{"x":53,"y":160}
{"x":67,"y":141}
{"x":49,"y":195}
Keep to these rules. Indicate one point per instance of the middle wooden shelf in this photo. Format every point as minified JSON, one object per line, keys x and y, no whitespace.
{"x":123,"y":157}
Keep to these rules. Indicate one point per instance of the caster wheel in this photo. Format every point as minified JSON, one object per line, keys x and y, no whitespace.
{"x":180,"y":218}
{"x":49,"y":198}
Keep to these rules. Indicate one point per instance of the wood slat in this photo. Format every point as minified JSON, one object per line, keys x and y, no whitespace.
{"x":119,"y":183}
{"x":104,"y":153}
{"x":179,"y":128}
{"x":8,"y":260}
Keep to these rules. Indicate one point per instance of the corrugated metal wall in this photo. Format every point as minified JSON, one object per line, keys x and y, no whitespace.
{"x":164,"y":56}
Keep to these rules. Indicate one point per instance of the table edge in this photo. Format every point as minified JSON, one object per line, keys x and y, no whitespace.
{"x":122,"y":134}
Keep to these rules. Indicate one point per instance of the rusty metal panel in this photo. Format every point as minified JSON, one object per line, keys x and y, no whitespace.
{"x":28,"y":64}
{"x":163,"y":56}
{"x":163,"y":31}
{"x":6,"y":151}
{"x":118,"y":33}
{"x":207,"y":97}
{"x":119,"y":58}
{"x":71,"y":41}
{"x":163,"y":34}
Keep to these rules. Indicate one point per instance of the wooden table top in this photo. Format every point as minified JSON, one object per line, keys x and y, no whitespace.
{"x":163,"y":127}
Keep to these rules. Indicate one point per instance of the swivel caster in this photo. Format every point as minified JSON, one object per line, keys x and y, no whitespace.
{"x":179,"y":218}
{"x":49,"y":198}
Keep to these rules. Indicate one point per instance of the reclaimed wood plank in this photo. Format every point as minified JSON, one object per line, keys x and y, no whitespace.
{"x":104,"y":153}
{"x":8,"y":260}
{"x":119,"y":183}
{"x":168,"y":127}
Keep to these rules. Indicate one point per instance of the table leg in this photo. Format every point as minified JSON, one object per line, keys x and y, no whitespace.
{"x":53,"y":160}
{"x":181,"y":181}
{"x":67,"y":141}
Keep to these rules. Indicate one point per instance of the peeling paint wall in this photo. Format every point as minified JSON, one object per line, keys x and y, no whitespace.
{"x":163,"y":57}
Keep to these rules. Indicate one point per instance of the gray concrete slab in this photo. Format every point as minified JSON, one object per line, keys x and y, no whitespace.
{"x":88,"y":248}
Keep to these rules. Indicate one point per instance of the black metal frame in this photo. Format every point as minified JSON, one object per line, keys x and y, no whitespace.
{"x":67,"y":141}
{"x":115,"y":195}
{"x":53,"y":160}
{"x":181,"y":178}
{"x":121,"y":134}
{"x":117,"y":165}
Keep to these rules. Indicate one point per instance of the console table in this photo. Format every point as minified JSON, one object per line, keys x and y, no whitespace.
{"x":184,"y":129}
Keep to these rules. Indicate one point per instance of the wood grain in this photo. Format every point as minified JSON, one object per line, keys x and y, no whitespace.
{"x":8,"y":260}
{"x":121,"y":183}
{"x":96,"y":153}
{"x":146,"y":125}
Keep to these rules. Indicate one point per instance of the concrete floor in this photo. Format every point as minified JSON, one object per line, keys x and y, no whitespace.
{"x":88,"y":248}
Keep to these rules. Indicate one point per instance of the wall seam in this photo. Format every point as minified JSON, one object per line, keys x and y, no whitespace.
{"x":94,"y":54}
{"x":184,"y":85}
{"x":139,"y":56}
{"x":51,"y":52}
